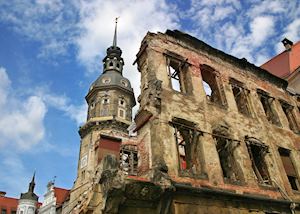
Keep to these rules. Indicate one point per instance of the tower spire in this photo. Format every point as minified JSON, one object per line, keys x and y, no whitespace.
{"x":32,"y":183}
{"x":115,"y":35}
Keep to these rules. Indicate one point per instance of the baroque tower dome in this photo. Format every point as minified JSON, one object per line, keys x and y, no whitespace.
{"x":110,"y":97}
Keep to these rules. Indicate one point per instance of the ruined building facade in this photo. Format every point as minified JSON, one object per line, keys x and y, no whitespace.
{"x":214,"y":134}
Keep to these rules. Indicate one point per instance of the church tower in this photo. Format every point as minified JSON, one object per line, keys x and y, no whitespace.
{"x":110,"y":101}
{"x":28,"y":201}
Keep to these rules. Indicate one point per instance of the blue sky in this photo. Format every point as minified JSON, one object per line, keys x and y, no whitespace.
{"x":51,"y":51}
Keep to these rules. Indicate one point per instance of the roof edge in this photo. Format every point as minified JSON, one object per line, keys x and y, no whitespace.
{"x":241,"y":63}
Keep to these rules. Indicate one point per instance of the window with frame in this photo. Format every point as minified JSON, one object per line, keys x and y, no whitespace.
{"x":257,"y":152}
{"x":225,"y":148}
{"x":129,"y":159}
{"x":186,"y":138}
{"x":289,"y":168}
{"x":288,"y":111}
{"x":268,"y":105}
{"x":3,"y":211}
{"x":241,"y":96}
{"x":177,"y":71}
{"x":212,"y":86}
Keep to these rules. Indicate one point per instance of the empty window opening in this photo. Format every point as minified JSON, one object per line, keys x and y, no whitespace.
{"x":177,"y":74}
{"x":288,"y":111}
{"x":267,"y":103}
{"x":111,"y":64}
{"x":212,"y":88}
{"x":118,"y":65}
{"x":257,"y":152}
{"x":225,"y":148}
{"x":122,"y":102}
{"x":207,"y":89}
{"x":289,"y":168}
{"x":241,"y":97}
{"x":186,"y":137}
{"x":129,"y":159}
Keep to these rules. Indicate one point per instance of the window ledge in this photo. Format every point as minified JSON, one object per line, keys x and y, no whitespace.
{"x":267,"y":187}
{"x":224,"y":107}
{"x":296,"y":192}
{"x":186,"y":173}
{"x":237,"y":183}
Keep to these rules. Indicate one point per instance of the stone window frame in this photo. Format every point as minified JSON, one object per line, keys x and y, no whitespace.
{"x":180,"y":74}
{"x":268,"y":106}
{"x":251,"y":143}
{"x":245,"y":93}
{"x":290,"y":115}
{"x":218,"y":96}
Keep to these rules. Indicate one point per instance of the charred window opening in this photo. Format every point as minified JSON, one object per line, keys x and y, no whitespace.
{"x":225,"y":152}
{"x":212,"y":87}
{"x":241,"y":96}
{"x":177,"y":71}
{"x":289,"y":168}
{"x":129,"y":159}
{"x":288,"y":111}
{"x":257,"y":152}
{"x":186,"y":137}
{"x":225,"y":148}
{"x":267,"y":103}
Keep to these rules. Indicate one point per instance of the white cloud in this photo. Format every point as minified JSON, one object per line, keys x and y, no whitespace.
{"x":292,"y":31}
{"x":261,"y":27}
{"x":62,"y":103}
{"x":52,"y":23}
{"x":13,"y":167}
{"x":21,"y":121}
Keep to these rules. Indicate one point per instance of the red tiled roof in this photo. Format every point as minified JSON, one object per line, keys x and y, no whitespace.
{"x":9,"y":203}
{"x":285,"y":63}
{"x":61,"y":195}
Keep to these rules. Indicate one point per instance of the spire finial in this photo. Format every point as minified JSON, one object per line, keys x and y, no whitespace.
{"x":115,"y":35}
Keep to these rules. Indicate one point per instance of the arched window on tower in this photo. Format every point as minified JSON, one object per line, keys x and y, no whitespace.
{"x":104,"y":109}
{"x":122,"y":108}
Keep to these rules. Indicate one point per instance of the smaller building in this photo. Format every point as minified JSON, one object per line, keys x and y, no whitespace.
{"x":28,"y":201}
{"x":53,"y":199}
{"x":286,"y":65}
{"x":8,"y":205}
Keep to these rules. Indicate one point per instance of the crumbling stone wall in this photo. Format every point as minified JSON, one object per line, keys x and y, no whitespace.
{"x":194,"y":105}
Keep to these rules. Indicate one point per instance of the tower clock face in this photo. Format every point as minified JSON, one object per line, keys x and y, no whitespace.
{"x":124,"y":82}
